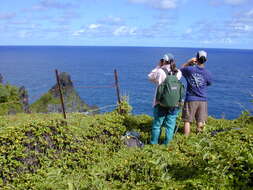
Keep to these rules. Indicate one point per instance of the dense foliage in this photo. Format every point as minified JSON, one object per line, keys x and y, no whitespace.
{"x":9,"y":100}
{"x":41,"y":105}
{"x":43,"y":151}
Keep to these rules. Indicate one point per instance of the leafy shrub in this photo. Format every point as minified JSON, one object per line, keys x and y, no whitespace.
{"x":124,"y":107}
{"x":43,"y":151}
{"x":41,"y":104}
{"x":4,"y":94}
{"x":9,"y":100}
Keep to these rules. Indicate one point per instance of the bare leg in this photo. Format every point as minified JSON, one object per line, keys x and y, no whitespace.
{"x":187,"y":128}
{"x":200,"y":127}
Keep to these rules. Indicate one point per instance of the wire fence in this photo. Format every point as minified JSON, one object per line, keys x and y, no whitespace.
{"x":106,"y":86}
{"x":99,"y":109}
{"x":60,"y":86}
{"x":115,"y":85}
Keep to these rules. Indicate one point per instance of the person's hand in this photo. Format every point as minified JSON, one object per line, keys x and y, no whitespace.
{"x":192,"y":61}
{"x":160,"y":64}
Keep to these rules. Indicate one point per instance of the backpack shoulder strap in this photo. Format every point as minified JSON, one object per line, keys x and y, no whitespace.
{"x":166,"y":72}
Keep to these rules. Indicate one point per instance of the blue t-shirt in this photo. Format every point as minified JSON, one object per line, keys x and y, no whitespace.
{"x":197,"y":78}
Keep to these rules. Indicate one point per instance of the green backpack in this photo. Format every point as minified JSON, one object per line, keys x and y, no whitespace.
{"x":170,"y":92}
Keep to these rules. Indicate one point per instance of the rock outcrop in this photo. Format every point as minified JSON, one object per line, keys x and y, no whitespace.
{"x":50,"y":102}
{"x":23,"y":95}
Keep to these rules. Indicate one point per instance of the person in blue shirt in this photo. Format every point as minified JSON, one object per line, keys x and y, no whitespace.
{"x":197,"y":78}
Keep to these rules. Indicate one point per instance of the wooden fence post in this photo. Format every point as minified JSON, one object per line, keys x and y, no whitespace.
{"x":117,"y":85}
{"x":117,"y":88}
{"x":61,"y":96}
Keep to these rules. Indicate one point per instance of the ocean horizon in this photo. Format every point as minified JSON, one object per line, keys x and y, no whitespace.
{"x":33,"y":67}
{"x":179,"y":47}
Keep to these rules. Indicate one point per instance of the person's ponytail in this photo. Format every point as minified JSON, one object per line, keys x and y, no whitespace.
{"x":173,"y":67}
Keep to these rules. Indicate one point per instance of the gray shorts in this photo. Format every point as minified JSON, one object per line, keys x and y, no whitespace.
{"x":195,"y":110}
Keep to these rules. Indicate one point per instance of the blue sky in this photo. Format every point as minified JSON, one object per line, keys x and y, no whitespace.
{"x":163,"y":23}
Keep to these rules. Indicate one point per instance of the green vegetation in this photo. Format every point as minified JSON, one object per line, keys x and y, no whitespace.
{"x":41,"y":105}
{"x":10,"y":102}
{"x":43,"y":151}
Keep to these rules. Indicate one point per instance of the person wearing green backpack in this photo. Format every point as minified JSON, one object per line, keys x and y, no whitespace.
{"x":168,"y":95}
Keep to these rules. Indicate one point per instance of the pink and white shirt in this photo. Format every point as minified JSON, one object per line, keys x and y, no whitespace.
{"x":157,"y":76}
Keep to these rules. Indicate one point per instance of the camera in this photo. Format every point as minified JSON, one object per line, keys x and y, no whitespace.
{"x":193,"y":63}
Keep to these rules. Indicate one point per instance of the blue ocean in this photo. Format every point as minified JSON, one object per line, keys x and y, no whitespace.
{"x":33,"y":67}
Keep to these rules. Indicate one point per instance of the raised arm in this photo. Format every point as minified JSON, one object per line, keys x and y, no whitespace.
{"x":153,"y":76}
{"x":190,"y":62}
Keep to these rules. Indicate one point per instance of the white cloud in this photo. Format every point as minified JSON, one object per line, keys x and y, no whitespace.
{"x":242,"y":27}
{"x":94,"y":26}
{"x":125,"y":30}
{"x":89,"y":30}
{"x":233,"y":30}
{"x":242,"y":23}
{"x":78,"y":32}
{"x":222,"y":32}
{"x":158,"y":4}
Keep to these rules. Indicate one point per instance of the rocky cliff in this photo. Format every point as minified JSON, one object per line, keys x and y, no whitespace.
{"x":50,"y":101}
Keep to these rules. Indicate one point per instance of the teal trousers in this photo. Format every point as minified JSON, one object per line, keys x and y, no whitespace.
{"x":168,"y":118}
